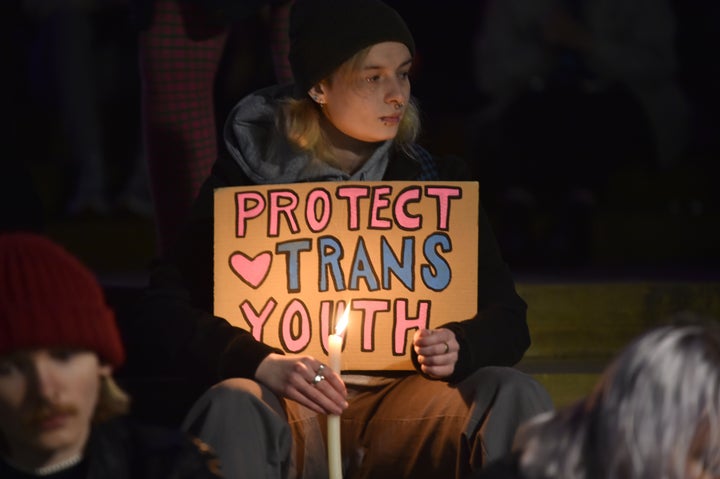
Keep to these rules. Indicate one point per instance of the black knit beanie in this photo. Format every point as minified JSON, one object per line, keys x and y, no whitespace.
{"x":326,"y":33}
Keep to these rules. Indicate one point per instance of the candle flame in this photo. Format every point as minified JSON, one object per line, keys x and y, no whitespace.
{"x":342,"y":322}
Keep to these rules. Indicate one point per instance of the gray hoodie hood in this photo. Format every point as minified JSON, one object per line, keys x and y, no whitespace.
{"x":267,"y":157}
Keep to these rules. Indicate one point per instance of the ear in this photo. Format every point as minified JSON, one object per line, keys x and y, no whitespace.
{"x":317,"y":93}
{"x":105,"y":370}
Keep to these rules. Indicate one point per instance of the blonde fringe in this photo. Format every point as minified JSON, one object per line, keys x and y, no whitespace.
{"x":112,"y":402}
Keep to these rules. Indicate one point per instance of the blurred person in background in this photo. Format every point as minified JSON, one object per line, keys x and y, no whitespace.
{"x":573,"y":91}
{"x":62,"y":415}
{"x":654,"y":413}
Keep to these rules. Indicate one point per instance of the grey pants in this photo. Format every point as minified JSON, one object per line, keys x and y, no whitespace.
{"x":412,"y":427}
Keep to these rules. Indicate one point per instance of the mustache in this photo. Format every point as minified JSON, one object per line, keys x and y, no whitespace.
{"x":49,"y":410}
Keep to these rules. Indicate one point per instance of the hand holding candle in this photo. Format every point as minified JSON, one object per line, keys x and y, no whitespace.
{"x":335,"y":342}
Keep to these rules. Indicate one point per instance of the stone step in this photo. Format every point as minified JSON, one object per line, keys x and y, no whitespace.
{"x":567,"y":388}
{"x":596,"y":319}
{"x":578,"y":326}
{"x":566,"y":379}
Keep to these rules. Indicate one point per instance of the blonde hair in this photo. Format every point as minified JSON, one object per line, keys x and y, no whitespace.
{"x":112,"y":401}
{"x":301,"y":118}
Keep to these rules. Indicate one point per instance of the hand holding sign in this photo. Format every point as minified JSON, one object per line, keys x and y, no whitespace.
{"x":292,"y":377}
{"x":437,"y":351}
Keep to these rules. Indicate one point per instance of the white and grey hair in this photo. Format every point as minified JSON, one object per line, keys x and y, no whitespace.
{"x":654,"y":414}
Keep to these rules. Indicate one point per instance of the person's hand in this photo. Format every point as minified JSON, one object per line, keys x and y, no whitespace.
{"x":304,"y":379}
{"x":437,"y":351}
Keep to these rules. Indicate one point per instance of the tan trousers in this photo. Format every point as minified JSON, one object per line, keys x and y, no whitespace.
{"x":411,"y":427}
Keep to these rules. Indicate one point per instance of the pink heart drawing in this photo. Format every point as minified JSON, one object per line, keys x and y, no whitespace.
{"x":252,"y":271}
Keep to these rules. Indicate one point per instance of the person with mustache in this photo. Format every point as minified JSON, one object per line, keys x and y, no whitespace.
{"x":62,"y":415}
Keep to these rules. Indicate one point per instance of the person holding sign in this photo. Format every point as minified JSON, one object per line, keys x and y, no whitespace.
{"x":349,"y":117}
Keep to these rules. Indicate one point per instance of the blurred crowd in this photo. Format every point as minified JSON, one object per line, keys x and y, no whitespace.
{"x":551,"y":101}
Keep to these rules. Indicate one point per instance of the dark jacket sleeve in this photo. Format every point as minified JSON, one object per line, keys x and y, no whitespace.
{"x":124,"y":449}
{"x":179,"y":298}
{"x":498,"y":335}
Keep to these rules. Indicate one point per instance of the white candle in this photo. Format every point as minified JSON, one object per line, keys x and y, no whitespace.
{"x":335,"y":342}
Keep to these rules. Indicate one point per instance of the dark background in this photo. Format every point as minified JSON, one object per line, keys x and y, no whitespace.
{"x":661,"y":223}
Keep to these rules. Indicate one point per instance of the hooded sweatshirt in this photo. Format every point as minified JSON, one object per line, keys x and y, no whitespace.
{"x":267,"y":157}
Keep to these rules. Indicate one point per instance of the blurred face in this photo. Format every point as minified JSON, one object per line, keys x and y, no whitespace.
{"x":47,"y":401}
{"x":367,"y":103}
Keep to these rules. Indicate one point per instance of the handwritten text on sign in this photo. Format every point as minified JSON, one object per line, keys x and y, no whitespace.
{"x":290,"y":258}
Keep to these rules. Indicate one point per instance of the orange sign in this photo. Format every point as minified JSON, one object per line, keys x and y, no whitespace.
{"x":289,"y":259}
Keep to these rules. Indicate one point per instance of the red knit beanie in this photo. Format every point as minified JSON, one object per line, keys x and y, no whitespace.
{"x":48,"y":299}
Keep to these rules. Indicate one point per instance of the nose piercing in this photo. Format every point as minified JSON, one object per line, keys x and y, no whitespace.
{"x":399,"y":105}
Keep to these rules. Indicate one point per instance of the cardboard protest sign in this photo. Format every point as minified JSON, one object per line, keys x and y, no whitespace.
{"x":289,"y":259}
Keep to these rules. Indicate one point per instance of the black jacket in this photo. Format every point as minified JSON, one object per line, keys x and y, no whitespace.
{"x":122,"y":449}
